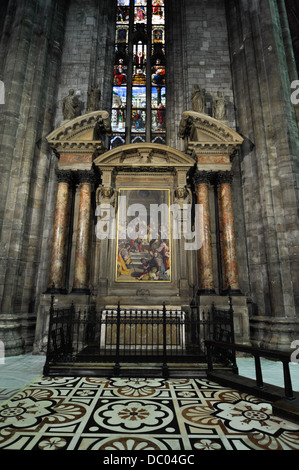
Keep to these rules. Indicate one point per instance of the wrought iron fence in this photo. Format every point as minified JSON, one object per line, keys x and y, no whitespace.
{"x":135,"y":335}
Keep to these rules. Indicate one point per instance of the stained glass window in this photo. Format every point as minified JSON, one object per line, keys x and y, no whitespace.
{"x":139,"y":88}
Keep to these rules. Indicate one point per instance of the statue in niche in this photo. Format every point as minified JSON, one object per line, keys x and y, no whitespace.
{"x":219,"y":110}
{"x":69,"y":105}
{"x":198,"y":100}
{"x":93,"y":98}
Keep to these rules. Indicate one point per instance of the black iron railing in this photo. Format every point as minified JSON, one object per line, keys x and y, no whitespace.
{"x":214,"y":347}
{"x":135,"y":335}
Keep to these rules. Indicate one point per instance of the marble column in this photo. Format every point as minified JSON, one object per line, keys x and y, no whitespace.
{"x":81,"y":274}
{"x":205,"y":261}
{"x":228,"y":243}
{"x":58,"y":257}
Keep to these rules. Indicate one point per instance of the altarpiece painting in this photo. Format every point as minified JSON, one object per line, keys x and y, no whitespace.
{"x":143,"y":241}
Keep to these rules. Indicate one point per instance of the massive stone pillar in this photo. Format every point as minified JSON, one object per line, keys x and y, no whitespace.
{"x":30,"y":55}
{"x":269,"y":166}
{"x":205,"y":260}
{"x":81,"y":274}
{"x":61,"y":224}
{"x":228,"y":242}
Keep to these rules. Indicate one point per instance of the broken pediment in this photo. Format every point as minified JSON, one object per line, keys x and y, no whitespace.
{"x":82,"y":134}
{"x":207,"y":135}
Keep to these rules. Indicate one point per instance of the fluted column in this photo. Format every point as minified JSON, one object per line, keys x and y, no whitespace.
{"x":229,"y":255}
{"x":205,"y":260}
{"x":81,"y":274}
{"x":58,"y":256}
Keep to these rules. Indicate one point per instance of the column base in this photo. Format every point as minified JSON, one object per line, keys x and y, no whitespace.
{"x":274,"y":333}
{"x":80,"y":291}
{"x":10,"y":335}
{"x":206,"y":292}
{"x":231,"y":292}
{"x":56,"y":290}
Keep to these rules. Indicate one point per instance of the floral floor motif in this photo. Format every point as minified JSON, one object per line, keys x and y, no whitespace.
{"x":119,"y":414}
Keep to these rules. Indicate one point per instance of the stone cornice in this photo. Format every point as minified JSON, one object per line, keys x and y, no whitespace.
{"x":72,"y":146}
{"x":212,"y":148}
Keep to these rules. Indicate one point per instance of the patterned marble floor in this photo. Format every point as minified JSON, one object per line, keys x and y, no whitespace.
{"x":119,"y":414}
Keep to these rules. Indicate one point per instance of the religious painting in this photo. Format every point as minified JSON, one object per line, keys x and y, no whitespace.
{"x":143,"y":236}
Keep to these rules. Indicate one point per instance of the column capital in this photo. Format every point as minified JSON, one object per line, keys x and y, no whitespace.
{"x":86,"y":176}
{"x":202,"y":177}
{"x":224,"y":177}
{"x":64,"y":176}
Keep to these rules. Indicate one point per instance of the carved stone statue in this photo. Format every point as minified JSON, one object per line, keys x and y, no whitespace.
{"x":198,"y":100}
{"x":106,"y":195}
{"x":183,"y":196}
{"x":102,"y":126}
{"x":69,"y":105}
{"x":93,"y":98}
{"x":219,"y":109}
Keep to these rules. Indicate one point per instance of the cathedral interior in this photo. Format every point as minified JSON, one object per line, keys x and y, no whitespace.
{"x":183,"y":111}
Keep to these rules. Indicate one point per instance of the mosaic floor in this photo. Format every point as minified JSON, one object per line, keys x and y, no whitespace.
{"x":120,"y":414}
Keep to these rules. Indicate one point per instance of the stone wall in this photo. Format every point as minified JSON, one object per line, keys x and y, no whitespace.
{"x":269,"y":164}
{"x":31,"y":46}
{"x":88,"y":51}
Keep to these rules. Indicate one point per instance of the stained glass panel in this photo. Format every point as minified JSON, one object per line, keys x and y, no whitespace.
{"x":158,"y":96}
{"x":158,"y":12}
{"x":138,"y":120}
{"x":118,"y":117}
{"x":140,"y":14}
{"x":139,"y":97}
{"x":123,"y":2}
{"x":139,"y":72}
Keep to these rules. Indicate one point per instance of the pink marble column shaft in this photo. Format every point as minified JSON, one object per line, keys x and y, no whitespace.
{"x":228,"y":238}
{"x":59,"y":237}
{"x":206,"y":280}
{"x":81,"y":275}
